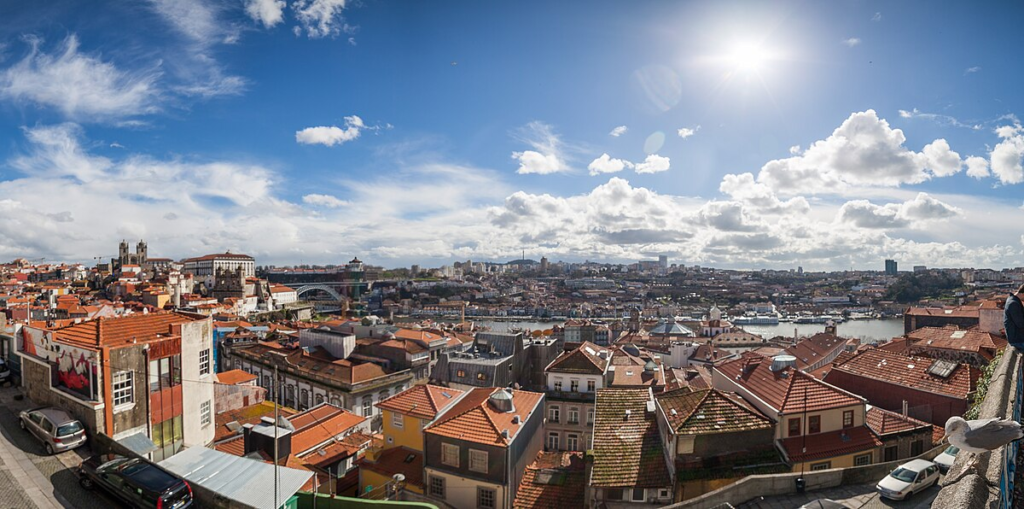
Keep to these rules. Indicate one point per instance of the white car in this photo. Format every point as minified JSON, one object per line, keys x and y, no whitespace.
{"x":908,"y":478}
{"x":946,"y":459}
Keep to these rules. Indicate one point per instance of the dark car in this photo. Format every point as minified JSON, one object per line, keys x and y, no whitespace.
{"x":135,"y":481}
{"x":5,"y":371}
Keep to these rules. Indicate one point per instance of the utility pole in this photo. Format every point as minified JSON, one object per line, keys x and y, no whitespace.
{"x":277,"y":469}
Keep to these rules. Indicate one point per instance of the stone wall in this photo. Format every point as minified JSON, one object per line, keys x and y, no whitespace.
{"x":37,"y":383}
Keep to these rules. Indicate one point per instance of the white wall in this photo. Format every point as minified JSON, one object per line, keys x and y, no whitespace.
{"x":195,"y":337}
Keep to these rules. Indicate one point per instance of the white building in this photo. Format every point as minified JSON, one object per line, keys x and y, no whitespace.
{"x":209,"y":265}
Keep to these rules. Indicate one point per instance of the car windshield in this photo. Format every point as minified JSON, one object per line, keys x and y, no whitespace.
{"x":69,"y":429}
{"x":904,"y":474}
{"x":149,"y":477}
{"x":951,"y":450}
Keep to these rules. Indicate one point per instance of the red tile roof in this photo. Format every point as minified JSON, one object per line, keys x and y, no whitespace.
{"x":627,"y":450}
{"x":421,"y":401}
{"x":251,"y":414}
{"x":319,"y":424}
{"x":708,"y":412}
{"x":117,"y":331}
{"x":811,"y":350}
{"x":884,"y":422}
{"x":953,"y":338}
{"x":632,"y":371}
{"x":910,"y":372}
{"x":959,"y":311}
{"x":584,"y":359}
{"x":554,"y":479}
{"x":785,"y":390}
{"x":398,"y":460}
{"x":829,"y":445}
{"x":234,"y":377}
{"x":472,"y":418}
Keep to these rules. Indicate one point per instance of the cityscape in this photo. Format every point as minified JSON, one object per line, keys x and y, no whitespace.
{"x":329,"y":254}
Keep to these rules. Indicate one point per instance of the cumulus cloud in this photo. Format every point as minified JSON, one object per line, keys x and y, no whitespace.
{"x":864,"y":151}
{"x":331,"y":135}
{"x":320,"y":18}
{"x":607,"y":164}
{"x":977,"y":167}
{"x":266,"y":12}
{"x":921,"y":209}
{"x":323,"y":200}
{"x":745,"y":189}
{"x":547,"y":155}
{"x":80,"y":86}
{"x":686,"y":132}
{"x":653,"y":164}
{"x":851,"y":42}
{"x":1007,"y":154}
{"x":618,"y":131}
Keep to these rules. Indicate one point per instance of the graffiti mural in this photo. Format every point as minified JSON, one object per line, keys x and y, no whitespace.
{"x":73,"y":366}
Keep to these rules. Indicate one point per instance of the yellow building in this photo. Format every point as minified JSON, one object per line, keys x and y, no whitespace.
{"x":401,"y":450}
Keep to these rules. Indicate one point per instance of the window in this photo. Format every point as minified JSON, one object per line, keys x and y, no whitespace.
{"x":892,"y":453}
{"x":574,"y":415}
{"x":552,"y":441}
{"x":367,"y":406}
{"x":863,"y":459}
{"x":590,"y":416}
{"x":574,"y":385}
{"x":573,"y":442}
{"x":637,"y":495}
{"x":663,"y":494}
{"x":460,"y":373}
{"x":397,"y":420}
{"x":122,"y":388}
{"x":794,"y":427}
{"x":814,"y":424}
{"x":437,"y":487}
{"x":383,"y":395}
{"x":450,"y":455}
{"x":821,"y":466}
{"x":481,"y":377}
{"x":204,"y":362}
{"x":554,"y":414}
{"x":478,"y":461}
{"x":558,"y":384}
{"x":848,"y":419}
{"x":303,"y":399}
{"x":916,"y":447}
{"x":591,"y":385}
{"x":319,"y":399}
{"x":204,"y":413}
{"x":485,"y":498}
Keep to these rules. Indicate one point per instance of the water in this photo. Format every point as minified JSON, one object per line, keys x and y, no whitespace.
{"x":869,"y":330}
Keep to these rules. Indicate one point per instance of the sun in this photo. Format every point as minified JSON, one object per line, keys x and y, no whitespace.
{"x":747,"y":58}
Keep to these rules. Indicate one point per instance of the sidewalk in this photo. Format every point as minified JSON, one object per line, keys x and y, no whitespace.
{"x":24,"y":485}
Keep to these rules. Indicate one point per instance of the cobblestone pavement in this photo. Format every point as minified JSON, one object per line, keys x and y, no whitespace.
{"x":57,"y":469}
{"x":862,"y":496}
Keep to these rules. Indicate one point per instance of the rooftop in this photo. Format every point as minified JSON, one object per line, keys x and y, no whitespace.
{"x":786,"y":390}
{"x":421,"y":401}
{"x":708,"y":412}
{"x":234,"y":377}
{"x":126,"y":329}
{"x":475,"y":419}
{"x":554,"y":479}
{"x":914,"y":373}
{"x":627,"y":445}
{"x":829,"y":445}
{"x":585,"y":359}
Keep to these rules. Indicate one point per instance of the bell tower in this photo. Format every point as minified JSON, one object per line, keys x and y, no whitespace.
{"x":141,"y":252}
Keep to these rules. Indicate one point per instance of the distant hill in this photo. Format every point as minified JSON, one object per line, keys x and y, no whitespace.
{"x":523,"y":262}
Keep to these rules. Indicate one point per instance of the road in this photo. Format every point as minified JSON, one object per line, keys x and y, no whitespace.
{"x":861,"y":496}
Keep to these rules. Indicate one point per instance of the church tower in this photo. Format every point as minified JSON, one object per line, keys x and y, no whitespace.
{"x":140,"y":251}
{"x":122,"y":253}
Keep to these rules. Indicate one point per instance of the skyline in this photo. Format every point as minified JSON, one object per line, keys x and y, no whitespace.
{"x":727,"y":135}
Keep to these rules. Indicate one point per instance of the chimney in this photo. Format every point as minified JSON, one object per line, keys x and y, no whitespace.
{"x":516,"y":419}
{"x":905,"y":408}
{"x":247,"y":442}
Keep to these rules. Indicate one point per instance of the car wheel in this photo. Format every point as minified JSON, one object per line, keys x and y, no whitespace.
{"x":49,"y":449}
{"x":86,"y":482}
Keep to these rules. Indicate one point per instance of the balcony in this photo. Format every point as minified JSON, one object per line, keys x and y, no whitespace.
{"x":587,"y":397}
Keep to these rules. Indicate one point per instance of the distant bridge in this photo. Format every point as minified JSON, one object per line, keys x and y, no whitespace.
{"x":319,"y":287}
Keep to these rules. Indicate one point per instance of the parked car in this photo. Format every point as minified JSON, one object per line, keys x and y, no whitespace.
{"x":823,"y":503}
{"x":946,"y":459}
{"x":57,"y":430}
{"x":5,"y":371}
{"x":908,"y":478}
{"x":137,"y":482}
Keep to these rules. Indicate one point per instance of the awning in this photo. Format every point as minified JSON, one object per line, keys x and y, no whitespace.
{"x":139,"y":443}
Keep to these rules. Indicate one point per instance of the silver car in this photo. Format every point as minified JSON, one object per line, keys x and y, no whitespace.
{"x":57,"y":430}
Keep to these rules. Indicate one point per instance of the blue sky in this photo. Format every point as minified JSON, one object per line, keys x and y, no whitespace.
{"x":822,"y":134}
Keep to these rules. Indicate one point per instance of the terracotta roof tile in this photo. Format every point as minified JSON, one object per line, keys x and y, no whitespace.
{"x":584,"y":359}
{"x":421,"y":401}
{"x":114,"y":331}
{"x":829,"y":445}
{"x":708,"y":412}
{"x":319,"y":424}
{"x":473,"y":419}
{"x":554,"y":479}
{"x":785,"y":390}
{"x":955,"y":339}
{"x":627,"y":451}
{"x":398,"y":460}
{"x":234,"y":377}
{"x":251,"y":414}
{"x":884,"y":422}
{"x":910,"y":372}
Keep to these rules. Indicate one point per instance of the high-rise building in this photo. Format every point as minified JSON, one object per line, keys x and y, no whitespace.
{"x":663,"y":261}
{"x":890,"y":267}
{"x":415,"y":270}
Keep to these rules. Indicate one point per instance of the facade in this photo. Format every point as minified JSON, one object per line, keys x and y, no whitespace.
{"x":236,"y":389}
{"x":306,"y":380}
{"x":891,"y":268}
{"x":902,"y":437}
{"x":210,"y":264}
{"x":476,"y":452}
{"x":962,"y":316}
{"x":494,"y":360}
{"x":572,"y":382}
{"x":401,"y":452}
{"x":630,"y":466}
{"x":148,"y":375}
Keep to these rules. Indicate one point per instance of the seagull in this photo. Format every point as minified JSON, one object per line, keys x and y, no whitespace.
{"x":982,"y":435}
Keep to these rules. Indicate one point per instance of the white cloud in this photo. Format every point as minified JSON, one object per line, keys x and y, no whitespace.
{"x":794,"y":150}
{"x":877,"y":17}
{"x":320,"y":18}
{"x":323,"y":200}
{"x":760,"y":197}
{"x":80,"y":86}
{"x":331,"y":135}
{"x":195,"y":19}
{"x":607,"y":164}
{"x":653,"y":164}
{"x":971,"y":70}
{"x":863,"y":151}
{"x":977,"y":167}
{"x":922,"y":209}
{"x":618,"y":131}
{"x":944,"y":120}
{"x":851,"y":42}
{"x":547,"y":155}
{"x":1007,"y":154}
{"x":266,"y":12}
{"x":686,"y":132}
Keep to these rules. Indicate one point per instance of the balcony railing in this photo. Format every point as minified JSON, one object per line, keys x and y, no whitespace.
{"x":571,"y":396}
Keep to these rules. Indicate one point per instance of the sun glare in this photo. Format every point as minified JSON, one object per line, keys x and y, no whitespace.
{"x":747,"y":58}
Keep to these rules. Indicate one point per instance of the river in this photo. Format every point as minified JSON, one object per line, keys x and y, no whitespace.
{"x":869,"y":330}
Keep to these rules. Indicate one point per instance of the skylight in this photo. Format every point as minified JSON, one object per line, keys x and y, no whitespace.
{"x":941,"y":368}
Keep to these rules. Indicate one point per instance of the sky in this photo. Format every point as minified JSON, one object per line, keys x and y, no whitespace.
{"x":827,"y":135}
